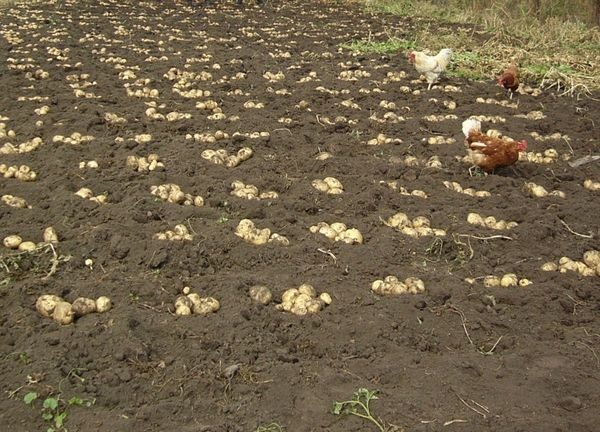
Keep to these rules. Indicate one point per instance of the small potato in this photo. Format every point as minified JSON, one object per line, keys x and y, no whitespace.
{"x":399,"y":220}
{"x":411,"y":232}
{"x":415,"y":285}
{"x":12,"y":241}
{"x":103,"y":304}
{"x":50,"y":235}
{"x":207,"y":305}
{"x":183,"y":301}
{"x":46,"y":303}
{"x":398,"y":288}
{"x":491,"y":281}
{"x":183,"y":310}
{"x":508,"y":280}
{"x":320,"y":185}
{"x":261,"y":294}
{"x":549,"y":266}
{"x":314,"y":306}
{"x":325,"y":298}
{"x":290,"y":295}
{"x":524,"y":282}
{"x":299,"y":309}
{"x":194,"y":298}
{"x":308,"y":290}
{"x":83,"y":306}
{"x":27,"y":246}
{"x":63,"y":313}
{"x":592,"y":258}
{"x":421,"y":222}
{"x":338,"y":227}
{"x":84,"y":193}
{"x":475,"y":219}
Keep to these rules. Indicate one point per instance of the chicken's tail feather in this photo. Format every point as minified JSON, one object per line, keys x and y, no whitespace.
{"x":471,"y":125}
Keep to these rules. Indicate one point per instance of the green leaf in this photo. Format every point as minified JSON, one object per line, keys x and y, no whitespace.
{"x":76,"y":401}
{"x":337,"y":408}
{"x":30,"y":397}
{"x":51,"y":403}
{"x":60,"y":419}
{"x":47,"y":416}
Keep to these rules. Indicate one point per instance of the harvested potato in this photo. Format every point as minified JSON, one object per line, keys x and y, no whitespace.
{"x":50,"y":235}
{"x":418,"y":227}
{"x":12,"y":241}
{"x":261,"y":294}
{"x":392,"y":286}
{"x":27,"y":246}
{"x":207,"y":305}
{"x":83,"y":306}
{"x":592,"y":258}
{"x":183,"y":305}
{"x":45,"y":304}
{"x":63,"y":313}
{"x":303,"y":300}
{"x":103,"y":304}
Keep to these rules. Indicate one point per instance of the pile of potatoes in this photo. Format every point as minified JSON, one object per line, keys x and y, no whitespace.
{"x":209,"y":105}
{"x":549,"y":156}
{"x":192,"y":93}
{"x":435,"y":118}
{"x":532,"y":115}
{"x":391,"y":286}
{"x":303,"y":300}
{"x":274,"y":77}
{"x":438,"y":140}
{"x":557,"y":136}
{"x":142,"y":164}
{"x":388,"y":117}
{"x":455,"y":186}
{"x":250,"y":234}
{"x":402,"y":190}
{"x":172,"y":193}
{"x":179,"y":233}
{"x":222,"y":156}
{"x":4,"y":132}
{"x":87,"y":193}
{"x":14,"y":201}
{"x":329,"y":185}
{"x":353,"y":75}
{"x":250,"y":192}
{"x":144,"y":92}
{"x":16,"y":242}
{"x":253,"y":135}
{"x":75,"y":138}
{"x":208,"y":138}
{"x":142,"y":138}
{"x":417,"y":227}
{"x":88,"y":164}
{"x":492,"y":101}
{"x":191,"y":303}
{"x":112,"y":118}
{"x":26,"y":147}
{"x":255,"y":105}
{"x":64,"y":313}
{"x":349,"y":103}
{"x":43,"y":110}
{"x":338,"y":231}
{"x":432,"y":162}
{"x":506,"y":280}
{"x":23,"y":172}
{"x":539,"y":191}
{"x":590,"y":266}
{"x":490,"y":222}
{"x":381,"y":139}
{"x":591,"y":185}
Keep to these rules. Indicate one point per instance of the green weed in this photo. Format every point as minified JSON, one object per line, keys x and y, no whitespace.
{"x":54,"y":409}
{"x":359,"y":406}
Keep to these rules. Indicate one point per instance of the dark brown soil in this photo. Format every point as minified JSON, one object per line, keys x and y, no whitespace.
{"x":492,"y":359}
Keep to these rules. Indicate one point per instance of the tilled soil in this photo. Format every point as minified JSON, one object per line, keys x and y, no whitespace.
{"x":456,"y":356}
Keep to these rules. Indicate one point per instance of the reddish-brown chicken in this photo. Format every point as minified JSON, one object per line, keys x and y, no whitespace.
{"x":510,"y":79}
{"x":489,"y":152}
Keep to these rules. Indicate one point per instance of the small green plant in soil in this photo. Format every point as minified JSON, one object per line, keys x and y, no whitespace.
{"x":271,"y":427}
{"x":54,"y":409}
{"x":359,"y":406}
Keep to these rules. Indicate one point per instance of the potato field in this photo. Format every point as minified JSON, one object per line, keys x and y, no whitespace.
{"x":214,"y":218}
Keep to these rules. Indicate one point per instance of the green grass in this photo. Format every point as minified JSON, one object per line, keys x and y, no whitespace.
{"x":556,"y":47}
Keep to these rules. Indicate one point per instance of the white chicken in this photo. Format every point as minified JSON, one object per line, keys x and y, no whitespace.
{"x":431,"y":66}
